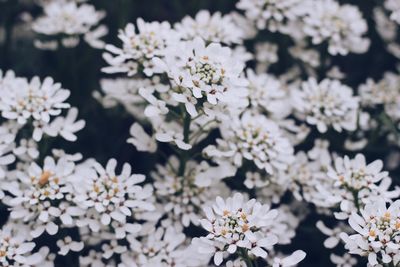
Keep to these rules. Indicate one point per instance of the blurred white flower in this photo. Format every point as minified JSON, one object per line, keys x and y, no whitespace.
{"x":290,"y":260}
{"x":211,"y":28}
{"x":66,"y":126}
{"x":182,"y":197}
{"x":71,"y":19}
{"x":139,"y":45}
{"x":67,"y":244}
{"x":341,"y":26}
{"x":141,"y":140}
{"x":394,"y":7}
{"x":15,"y":250}
{"x":324,"y":104}
{"x":253,"y":138}
{"x":271,"y":14}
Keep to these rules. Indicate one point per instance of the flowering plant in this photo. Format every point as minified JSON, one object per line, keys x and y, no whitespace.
{"x":178,"y":134}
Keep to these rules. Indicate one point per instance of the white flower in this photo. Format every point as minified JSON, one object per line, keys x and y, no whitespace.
{"x":21,"y":100}
{"x":287,"y":221}
{"x":290,"y":260}
{"x":388,"y":31}
{"x":352,"y":183}
{"x":182,"y":197}
{"x":254,"y":138}
{"x":254,"y":180}
{"x":139,"y":47}
{"x":14,"y":248}
{"x":67,"y":244}
{"x":93,"y":259}
{"x":141,"y":140}
{"x":112,"y":248}
{"x":343,"y":261}
{"x":71,"y":19}
{"x":236,"y":223}
{"x":305,"y":175}
{"x":7,"y":146}
{"x":271,"y":14}
{"x":266,"y":54}
{"x":114,"y":197}
{"x":356,"y":174}
{"x":268,"y":94}
{"x":384,"y":92}
{"x":155,"y":107}
{"x":171,"y":133}
{"x":163,"y":248}
{"x":26,"y":150}
{"x":211,"y":28}
{"x":378,"y":233}
{"x":124,"y":91}
{"x":38,"y":199}
{"x":394,"y":7}
{"x":65,"y":126}
{"x":328,"y":103}
{"x":311,"y":57}
{"x":209,"y":72}
{"x":333,"y":234}
{"x":342,"y":26}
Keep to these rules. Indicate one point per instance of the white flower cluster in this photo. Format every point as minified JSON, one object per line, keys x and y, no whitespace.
{"x":340,"y":26}
{"x":69,"y":20}
{"x":273,"y":15}
{"x":384,"y":92}
{"x":377,"y":237}
{"x":256,"y":139}
{"x":245,"y":126}
{"x":37,"y":102}
{"x":328,"y":103}
{"x":394,"y":7}
{"x":39,"y":196}
{"x":388,"y":30}
{"x":236,"y":225}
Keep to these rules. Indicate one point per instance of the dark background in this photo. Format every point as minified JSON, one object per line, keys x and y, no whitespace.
{"x":106,"y":131}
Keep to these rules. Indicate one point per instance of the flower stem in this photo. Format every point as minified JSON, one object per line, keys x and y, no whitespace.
{"x":356,"y":200}
{"x":186,"y":132}
{"x":245,"y":257}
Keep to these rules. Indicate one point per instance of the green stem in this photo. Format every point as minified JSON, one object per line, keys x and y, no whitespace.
{"x":186,"y":132}
{"x":356,"y":200}
{"x":8,"y":32}
{"x":388,"y":122}
{"x":200,"y":131}
{"x":245,"y":257}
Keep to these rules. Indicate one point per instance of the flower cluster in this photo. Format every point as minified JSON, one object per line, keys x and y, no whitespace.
{"x":69,"y":20}
{"x":238,"y":225}
{"x":234,"y":135}
{"x":377,"y":234}
{"x":256,"y":139}
{"x":328,"y":103}
{"x":341,"y":26}
{"x":38,"y":101}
